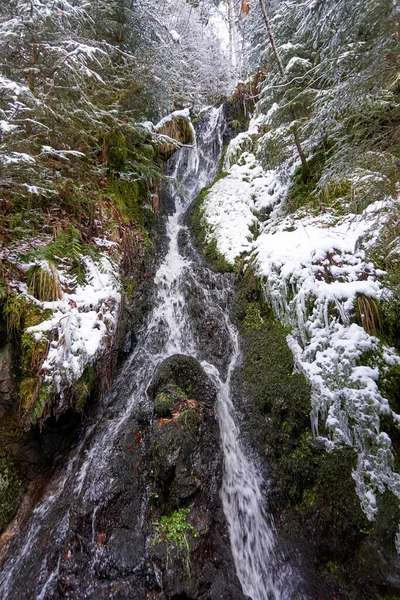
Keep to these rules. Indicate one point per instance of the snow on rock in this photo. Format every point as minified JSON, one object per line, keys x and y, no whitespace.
{"x":314,"y":270}
{"x":177,"y":113}
{"x":231,"y":205}
{"x":81,"y":323}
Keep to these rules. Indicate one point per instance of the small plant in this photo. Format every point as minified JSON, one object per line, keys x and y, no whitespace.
{"x":14,"y":308}
{"x":44,"y":282}
{"x":253,"y":320}
{"x":176,"y":531}
{"x":369,"y":314}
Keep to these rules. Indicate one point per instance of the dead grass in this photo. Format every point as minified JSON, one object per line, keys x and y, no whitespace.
{"x":369,"y":312}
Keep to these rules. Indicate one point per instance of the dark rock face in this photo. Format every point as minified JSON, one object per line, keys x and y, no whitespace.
{"x":212,"y":336}
{"x":186,"y":474}
{"x":159,"y":530}
{"x":7,"y":384}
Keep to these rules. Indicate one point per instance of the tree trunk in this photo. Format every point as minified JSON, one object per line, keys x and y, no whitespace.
{"x":304,"y":164}
{"x":234,"y":35}
{"x":272,"y":39}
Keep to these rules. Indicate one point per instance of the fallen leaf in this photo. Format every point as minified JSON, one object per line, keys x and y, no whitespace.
{"x":101,"y":538}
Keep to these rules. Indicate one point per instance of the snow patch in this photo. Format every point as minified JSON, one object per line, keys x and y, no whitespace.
{"x":314,"y":271}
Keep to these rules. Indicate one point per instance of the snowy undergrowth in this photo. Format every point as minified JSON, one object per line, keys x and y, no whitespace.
{"x":76,"y":328}
{"x":314,"y":272}
{"x":81,"y":323}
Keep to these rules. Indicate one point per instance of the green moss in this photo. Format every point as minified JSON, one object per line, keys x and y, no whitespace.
{"x":45,"y":394}
{"x":34,"y":315}
{"x":83,"y":388}
{"x":332,"y":567}
{"x":14,"y":308}
{"x":162,"y":405}
{"x":117,"y":151}
{"x":253,"y":320}
{"x":130,"y":199}
{"x":217,"y":260}
{"x":21,"y":315}
{"x":12,"y":488}
{"x":33,"y":352}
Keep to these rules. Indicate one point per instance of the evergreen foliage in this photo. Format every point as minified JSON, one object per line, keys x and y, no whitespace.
{"x":339,"y":89}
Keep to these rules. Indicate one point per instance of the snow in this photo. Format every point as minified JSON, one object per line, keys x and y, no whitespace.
{"x":81,"y":322}
{"x":16,"y":158}
{"x":7,"y":127}
{"x":175,"y":36}
{"x":296,"y":62}
{"x":177,"y":113}
{"x":313,"y":269}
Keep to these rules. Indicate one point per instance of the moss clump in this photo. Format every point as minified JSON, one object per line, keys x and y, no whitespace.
{"x":33,"y":352}
{"x":253,"y":320}
{"x":130,"y":199}
{"x":83,"y":388}
{"x":14,"y":309}
{"x":117,"y":151}
{"x":162,"y":405}
{"x":12,"y":488}
{"x":21,"y":315}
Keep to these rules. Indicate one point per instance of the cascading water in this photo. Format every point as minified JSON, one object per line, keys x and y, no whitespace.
{"x":32,"y":565}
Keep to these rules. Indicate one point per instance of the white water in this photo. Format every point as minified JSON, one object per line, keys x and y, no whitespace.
{"x":88,"y":477}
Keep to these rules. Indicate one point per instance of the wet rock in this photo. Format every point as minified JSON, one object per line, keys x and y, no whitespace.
{"x":187,"y":373}
{"x":203,"y":295}
{"x":186,"y":472}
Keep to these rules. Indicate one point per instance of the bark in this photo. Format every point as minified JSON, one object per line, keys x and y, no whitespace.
{"x":304,"y":164}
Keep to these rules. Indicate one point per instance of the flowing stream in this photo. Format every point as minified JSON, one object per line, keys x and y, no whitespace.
{"x":32,"y":567}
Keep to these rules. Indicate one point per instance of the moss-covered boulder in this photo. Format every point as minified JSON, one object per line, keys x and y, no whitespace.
{"x":174,"y":132}
{"x":185,"y":460}
{"x":312,"y":493}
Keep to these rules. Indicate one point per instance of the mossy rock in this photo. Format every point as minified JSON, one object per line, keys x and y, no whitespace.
{"x":163,"y":405}
{"x":313,"y":492}
{"x":178,"y":128}
{"x":12,"y":489}
{"x":183,"y":373}
{"x":82,"y":388}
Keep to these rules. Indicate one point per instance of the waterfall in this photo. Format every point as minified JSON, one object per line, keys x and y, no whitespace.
{"x":87,"y":482}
